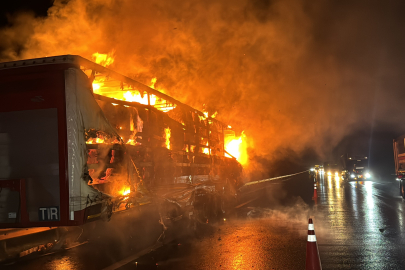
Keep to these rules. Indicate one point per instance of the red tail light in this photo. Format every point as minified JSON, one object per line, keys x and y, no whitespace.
{"x":400,"y":176}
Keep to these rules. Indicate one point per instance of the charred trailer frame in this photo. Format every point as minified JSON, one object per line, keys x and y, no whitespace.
{"x":66,"y":149}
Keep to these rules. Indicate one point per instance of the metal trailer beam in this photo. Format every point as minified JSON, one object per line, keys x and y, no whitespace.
{"x":81,"y":61}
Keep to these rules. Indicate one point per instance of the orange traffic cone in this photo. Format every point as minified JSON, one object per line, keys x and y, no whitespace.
{"x":315,"y":192}
{"x":313,"y":261}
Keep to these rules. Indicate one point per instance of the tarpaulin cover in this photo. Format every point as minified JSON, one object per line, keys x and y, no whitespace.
{"x":82,"y":113}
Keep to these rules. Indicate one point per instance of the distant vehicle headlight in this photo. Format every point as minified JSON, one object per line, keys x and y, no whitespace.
{"x":312,"y":169}
{"x":367,"y":175}
{"x":329,"y":173}
{"x":352,"y":176}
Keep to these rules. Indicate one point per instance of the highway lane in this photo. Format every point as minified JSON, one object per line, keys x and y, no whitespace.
{"x":241,"y":241}
{"x":359,"y":225}
{"x":268,"y":233}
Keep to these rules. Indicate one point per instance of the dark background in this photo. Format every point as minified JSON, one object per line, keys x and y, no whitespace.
{"x":10,"y":8}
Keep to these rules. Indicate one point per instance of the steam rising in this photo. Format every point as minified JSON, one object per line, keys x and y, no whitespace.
{"x":292,"y":74}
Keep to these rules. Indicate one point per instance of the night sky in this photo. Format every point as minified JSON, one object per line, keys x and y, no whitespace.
{"x":10,"y":8}
{"x":306,"y":80}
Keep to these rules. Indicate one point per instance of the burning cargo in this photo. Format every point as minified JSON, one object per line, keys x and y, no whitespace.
{"x":79,"y":142}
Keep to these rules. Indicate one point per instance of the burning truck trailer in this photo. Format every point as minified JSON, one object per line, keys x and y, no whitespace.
{"x":80,"y":142}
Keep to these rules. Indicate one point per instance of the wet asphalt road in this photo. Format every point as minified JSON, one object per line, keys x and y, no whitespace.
{"x":359,"y":225}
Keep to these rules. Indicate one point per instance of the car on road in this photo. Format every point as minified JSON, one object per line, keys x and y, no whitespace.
{"x":360,"y":173}
{"x":331,"y":169}
{"x":355,"y":167}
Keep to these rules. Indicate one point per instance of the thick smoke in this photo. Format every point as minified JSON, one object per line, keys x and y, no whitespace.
{"x":292,"y":74}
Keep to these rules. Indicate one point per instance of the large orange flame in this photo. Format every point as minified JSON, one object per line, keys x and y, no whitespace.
{"x":237,"y":147}
{"x":95,"y":140}
{"x":168,"y":135}
{"x":125,"y":191}
{"x":104,"y":59}
{"x":103,"y":86}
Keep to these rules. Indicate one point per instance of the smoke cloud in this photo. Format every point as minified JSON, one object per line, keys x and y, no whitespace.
{"x":292,"y":74}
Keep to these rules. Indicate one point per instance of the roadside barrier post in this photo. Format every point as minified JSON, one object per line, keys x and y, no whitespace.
{"x":313,"y":261}
{"x":315,"y":197}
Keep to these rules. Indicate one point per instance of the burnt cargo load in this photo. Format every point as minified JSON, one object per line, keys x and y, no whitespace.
{"x":355,"y":167}
{"x":74,"y":148}
{"x":399,"y":159}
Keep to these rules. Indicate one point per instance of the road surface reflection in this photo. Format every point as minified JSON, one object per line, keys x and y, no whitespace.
{"x":362,"y":224}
